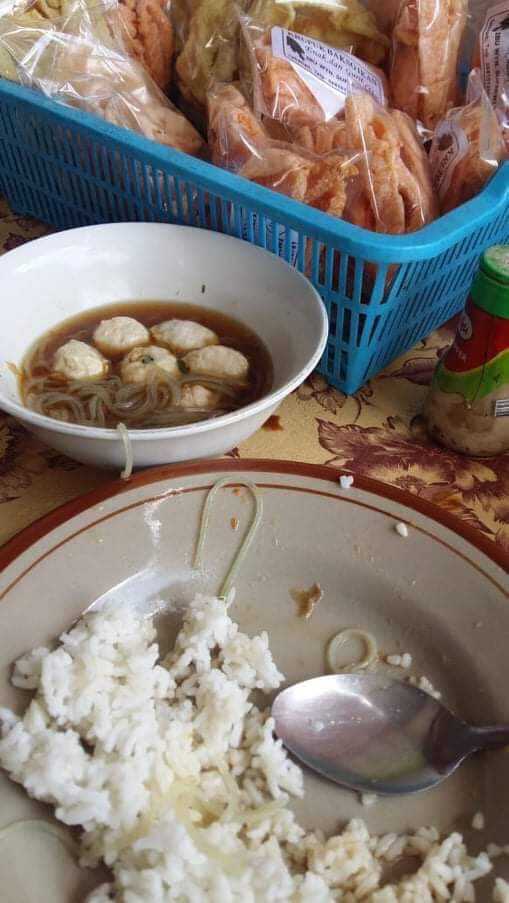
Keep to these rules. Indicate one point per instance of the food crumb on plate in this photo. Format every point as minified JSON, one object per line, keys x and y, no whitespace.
{"x":368,"y":799}
{"x":346,"y":481}
{"x":307,"y":599}
{"x":494,"y":850}
{"x":501,"y":892}
{"x":399,"y":661}
{"x":424,"y":684}
{"x":401,"y":529}
{"x":478,"y":821}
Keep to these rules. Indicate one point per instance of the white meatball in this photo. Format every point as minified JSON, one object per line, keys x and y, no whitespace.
{"x":218,"y":361}
{"x":120,"y":334}
{"x":77,"y":360}
{"x":142,"y":365}
{"x":197,"y":396}
{"x":181,"y":336}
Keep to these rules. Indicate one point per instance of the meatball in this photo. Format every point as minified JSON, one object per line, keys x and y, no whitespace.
{"x":77,"y":360}
{"x":196,"y":396}
{"x":218,"y":361}
{"x":142,"y":365}
{"x":181,"y":336}
{"x":120,"y":334}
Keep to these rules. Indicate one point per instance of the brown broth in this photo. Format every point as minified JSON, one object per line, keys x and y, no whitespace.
{"x":230,"y":331}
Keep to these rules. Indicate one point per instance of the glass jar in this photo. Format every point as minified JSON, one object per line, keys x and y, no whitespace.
{"x":467,"y":409}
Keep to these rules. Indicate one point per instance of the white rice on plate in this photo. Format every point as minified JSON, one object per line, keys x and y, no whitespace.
{"x":178,"y":782}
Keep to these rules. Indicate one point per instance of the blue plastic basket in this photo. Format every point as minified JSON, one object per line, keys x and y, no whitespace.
{"x":382,"y":293}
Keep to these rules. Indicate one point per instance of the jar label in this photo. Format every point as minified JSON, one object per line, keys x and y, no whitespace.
{"x":478,"y":361}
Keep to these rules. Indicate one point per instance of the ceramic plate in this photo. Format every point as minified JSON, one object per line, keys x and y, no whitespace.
{"x":441,"y":596}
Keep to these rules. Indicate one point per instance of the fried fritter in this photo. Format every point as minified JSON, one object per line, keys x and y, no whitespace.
{"x":395,"y":193}
{"x":235,"y":133}
{"x":426,"y":41}
{"x":320,"y":182}
{"x":341,"y":23}
{"x":149,"y":37}
{"x":483,"y":148}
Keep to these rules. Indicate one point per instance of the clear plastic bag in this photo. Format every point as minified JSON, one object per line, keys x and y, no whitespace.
{"x":467,"y":148}
{"x":147,"y":29}
{"x":394,"y":192}
{"x":208,"y":35}
{"x":235,"y":134}
{"x":239,"y":142}
{"x":427,"y":36}
{"x":345,"y":24}
{"x":322,"y":182}
{"x":149,"y":37}
{"x":300,"y":82}
{"x":503,"y":113}
{"x":81,"y":60}
{"x":384,"y":174}
{"x":491,"y":56}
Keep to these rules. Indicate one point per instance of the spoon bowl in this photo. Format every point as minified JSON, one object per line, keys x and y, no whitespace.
{"x":375,"y":734}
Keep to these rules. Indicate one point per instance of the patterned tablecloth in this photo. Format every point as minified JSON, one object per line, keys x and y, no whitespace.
{"x":378,"y":432}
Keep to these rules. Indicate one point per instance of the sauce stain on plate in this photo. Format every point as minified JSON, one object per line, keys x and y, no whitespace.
{"x":273,"y":424}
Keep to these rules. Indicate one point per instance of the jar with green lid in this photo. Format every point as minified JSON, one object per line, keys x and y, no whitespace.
{"x":468,"y":406}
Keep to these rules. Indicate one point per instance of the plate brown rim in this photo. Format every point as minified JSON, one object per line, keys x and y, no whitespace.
{"x":27,"y":537}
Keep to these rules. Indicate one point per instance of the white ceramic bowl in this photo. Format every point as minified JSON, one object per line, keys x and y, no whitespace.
{"x":48,"y":280}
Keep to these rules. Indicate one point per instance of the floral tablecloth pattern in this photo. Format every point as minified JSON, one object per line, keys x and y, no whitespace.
{"x":378,"y":432}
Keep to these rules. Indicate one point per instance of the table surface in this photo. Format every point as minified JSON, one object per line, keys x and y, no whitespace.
{"x":378,"y":432}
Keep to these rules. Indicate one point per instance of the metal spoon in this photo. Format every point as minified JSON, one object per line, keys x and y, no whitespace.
{"x":375,"y":734}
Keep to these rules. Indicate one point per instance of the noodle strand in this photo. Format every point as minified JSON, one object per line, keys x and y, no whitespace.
{"x":369,"y":645}
{"x":247,"y":539}
{"x":126,"y":473}
{"x":153,"y":404}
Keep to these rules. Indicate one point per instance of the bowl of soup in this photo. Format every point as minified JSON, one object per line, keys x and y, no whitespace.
{"x":145,"y":343}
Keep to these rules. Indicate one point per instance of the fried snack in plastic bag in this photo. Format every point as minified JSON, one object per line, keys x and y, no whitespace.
{"x":323,"y":137}
{"x":149,"y":37}
{"x":209,"y":35}
{"x":426,"y":40}
{"x":467,"y":148}
{"x":491,"y":46}
{"x":79,"y":61}
{"x":300,"y":82}
{"x":30,"y":13}
{"x":394,"y":190}
{"x":320,"y":182}
{"x":148,"y":32}
{"x":159,"y":122}
{"x":239,"y":142}
{"x":280,"y":93}
{"x":235,"y":133}
{"x":340,"y":23}
{"x":491,"y":56}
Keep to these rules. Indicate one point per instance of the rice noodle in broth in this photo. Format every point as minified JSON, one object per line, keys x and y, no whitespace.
{"x":156,"y":402}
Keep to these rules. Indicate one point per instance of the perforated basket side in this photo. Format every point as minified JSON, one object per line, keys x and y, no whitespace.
{"x":369,"y":329}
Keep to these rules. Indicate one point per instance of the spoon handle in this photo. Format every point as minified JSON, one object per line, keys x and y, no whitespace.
{"x":490,"y":737}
